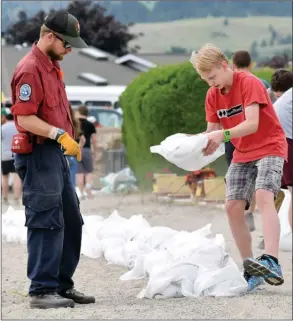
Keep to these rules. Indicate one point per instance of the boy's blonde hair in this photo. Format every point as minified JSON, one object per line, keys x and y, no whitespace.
{"x":206,"y":58}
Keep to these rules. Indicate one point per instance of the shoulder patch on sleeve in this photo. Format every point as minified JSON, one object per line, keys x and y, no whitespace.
{"x":25,"y":92}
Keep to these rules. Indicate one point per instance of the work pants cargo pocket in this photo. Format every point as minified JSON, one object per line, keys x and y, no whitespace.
{"x":43,"y":210}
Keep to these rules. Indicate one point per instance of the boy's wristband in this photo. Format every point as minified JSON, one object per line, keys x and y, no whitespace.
{"x":227,"y":136}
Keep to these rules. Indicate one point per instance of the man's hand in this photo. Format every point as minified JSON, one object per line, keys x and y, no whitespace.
{"x":70,"y":145}
{"x":215,"y":139}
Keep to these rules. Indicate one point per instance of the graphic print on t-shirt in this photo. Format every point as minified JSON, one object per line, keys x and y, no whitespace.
{"x":226,"y":113}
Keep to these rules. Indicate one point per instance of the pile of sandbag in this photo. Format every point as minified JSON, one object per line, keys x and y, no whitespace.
{"x":176,"y":263}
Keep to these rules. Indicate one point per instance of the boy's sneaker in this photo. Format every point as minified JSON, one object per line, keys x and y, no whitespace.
{"x":253,"y":281}
{"x":264,"y":266}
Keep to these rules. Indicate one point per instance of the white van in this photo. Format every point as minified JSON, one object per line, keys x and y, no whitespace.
{"x":104,"y":96}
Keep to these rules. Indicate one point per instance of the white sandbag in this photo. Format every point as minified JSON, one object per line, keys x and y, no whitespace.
{"x":154,"y":259}
{"x":167,"y":279}
{"x":209,"y":272}
{"x":186,"y":152}
{"x":220,"y":282}
{"x":286,"y":231}
{"x":145,"y":263}
{"x":91,"y":246}
{"x":112,"y":227}
{"x":124,"y":180}
{"x":13,"y":229}
{"x":217,"y":273}
{"x":135,"y":224}
{"x":113,"y":251}
{"x":184,"y":244}
{"x":143,"y":242}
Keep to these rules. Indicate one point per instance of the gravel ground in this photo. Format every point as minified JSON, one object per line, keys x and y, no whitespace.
{"x":117,"y":300}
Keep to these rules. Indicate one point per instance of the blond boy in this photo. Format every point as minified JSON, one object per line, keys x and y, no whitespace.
{"x":239,"y":109}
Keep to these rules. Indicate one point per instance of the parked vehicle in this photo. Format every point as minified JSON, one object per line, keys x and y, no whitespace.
{"x":103,"y":96}
{"x":103,"y":103}
{"x":104,"y":117}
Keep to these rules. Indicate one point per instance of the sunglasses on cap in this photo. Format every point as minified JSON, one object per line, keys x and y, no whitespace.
{"x":66,"y":45}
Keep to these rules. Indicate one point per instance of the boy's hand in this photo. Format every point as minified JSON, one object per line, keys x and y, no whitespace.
{"x":215,"y":139}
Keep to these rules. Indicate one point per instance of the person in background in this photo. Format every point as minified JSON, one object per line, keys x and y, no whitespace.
{"x":8,"y":130}
{"x":84,"y":176}
{"x":79,"y":137}
{"x":241,"y":61}
{"x":282,"y":83}
{"x":272,"y":95}
{"x":283,"y":107}
{"x":3,"y":115}
{"x":282,"y":80}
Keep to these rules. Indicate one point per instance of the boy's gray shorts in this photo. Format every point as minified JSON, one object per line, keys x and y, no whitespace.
{"x":243,"y":179}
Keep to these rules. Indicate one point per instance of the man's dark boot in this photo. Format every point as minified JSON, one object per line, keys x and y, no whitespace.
{"x":77,"y":297}
{"x":50,"y":301}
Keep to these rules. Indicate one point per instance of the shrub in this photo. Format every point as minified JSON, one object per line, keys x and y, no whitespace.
{"x":164,"y":101}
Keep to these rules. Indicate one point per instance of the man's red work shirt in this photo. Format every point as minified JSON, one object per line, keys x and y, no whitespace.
{"x":37,"y":89}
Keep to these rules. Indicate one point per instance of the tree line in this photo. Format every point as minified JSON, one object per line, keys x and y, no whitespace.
{"x":139,"y":11}
{"x":98,"y":29}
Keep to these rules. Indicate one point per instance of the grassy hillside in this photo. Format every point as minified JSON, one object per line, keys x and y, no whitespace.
{"x":192,"y":33}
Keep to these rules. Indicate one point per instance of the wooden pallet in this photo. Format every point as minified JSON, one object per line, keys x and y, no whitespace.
{"x":173,"y":186}
{"x":170,"y":184}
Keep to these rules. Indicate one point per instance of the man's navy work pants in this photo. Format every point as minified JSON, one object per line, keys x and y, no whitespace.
{"x":53,"y":219}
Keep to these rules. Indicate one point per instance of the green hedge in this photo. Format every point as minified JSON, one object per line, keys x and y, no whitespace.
{"x":164,"y":101}
{"x":264,"y":73}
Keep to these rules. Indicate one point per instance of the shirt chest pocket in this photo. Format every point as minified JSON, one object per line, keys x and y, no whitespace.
{"x":52,"y":96}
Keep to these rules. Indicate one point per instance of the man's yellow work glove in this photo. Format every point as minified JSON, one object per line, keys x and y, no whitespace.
{"x":69,"y":144}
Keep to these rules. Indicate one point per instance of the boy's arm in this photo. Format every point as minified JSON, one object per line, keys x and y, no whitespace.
{"x":254,"y":97}
{"x":212,"y":127}
{"x":250,"y":125}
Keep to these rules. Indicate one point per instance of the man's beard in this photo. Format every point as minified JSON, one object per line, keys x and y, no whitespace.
{"x":53,"y":56}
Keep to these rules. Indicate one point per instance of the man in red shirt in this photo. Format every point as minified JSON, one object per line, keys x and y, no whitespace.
{"x":239,"y":109}
{"x":53,"y":218}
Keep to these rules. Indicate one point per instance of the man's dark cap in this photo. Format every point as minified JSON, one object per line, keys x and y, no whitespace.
{"x":66,"y":26}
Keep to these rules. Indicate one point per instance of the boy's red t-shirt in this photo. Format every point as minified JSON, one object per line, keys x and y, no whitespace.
{"x":229,"y":110}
